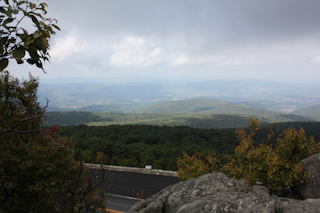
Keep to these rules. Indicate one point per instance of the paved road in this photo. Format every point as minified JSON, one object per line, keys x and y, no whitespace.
{"x":129,"y":184}
{"x":118,"y":203}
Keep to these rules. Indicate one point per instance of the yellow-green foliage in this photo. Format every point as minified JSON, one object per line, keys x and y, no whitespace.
{"x":277,"y":168}
{"x":198,"y":164}
{"x":190,"y":167}
{"x":101,"y":158}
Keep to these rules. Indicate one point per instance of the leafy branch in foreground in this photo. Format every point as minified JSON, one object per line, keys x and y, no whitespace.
{"x":16,"y":41}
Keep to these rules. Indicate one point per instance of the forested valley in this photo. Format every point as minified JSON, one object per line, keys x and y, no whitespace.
{"x":201,"y":121}
{"x":161,"y":146}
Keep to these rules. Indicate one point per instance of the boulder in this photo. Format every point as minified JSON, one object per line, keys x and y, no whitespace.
{"x":217,"y":193}
{"x":310,"y":188}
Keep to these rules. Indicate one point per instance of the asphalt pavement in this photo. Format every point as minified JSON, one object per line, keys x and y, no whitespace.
{"x":127,"y":186}
{"x":118,"y":203}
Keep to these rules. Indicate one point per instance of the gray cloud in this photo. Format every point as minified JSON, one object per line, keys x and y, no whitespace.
{"x":234,"y":38}
{"x":248,"y":17}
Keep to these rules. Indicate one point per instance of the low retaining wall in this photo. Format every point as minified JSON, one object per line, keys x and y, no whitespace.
{"x":133,"y":170}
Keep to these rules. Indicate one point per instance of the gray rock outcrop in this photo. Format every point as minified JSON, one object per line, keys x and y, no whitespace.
{"x":217,"y":193}
{"x":310,"y":188}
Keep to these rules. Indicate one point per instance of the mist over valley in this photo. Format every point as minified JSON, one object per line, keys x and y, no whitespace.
{"x":133,"y":96}
{"x":224,"y":103}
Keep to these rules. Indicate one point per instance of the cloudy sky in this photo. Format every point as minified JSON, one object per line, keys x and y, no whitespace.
{"x":180,"y":39}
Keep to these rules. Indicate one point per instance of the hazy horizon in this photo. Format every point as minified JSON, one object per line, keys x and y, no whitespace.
{"x":122,"y":96}
{"x":150,"y":80}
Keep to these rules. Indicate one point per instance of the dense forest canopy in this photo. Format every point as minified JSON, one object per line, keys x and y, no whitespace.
{"x":209,"y":121}
{"x":161,"y":146}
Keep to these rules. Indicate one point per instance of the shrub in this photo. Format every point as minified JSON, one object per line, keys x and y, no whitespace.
{"x":277,"y":167}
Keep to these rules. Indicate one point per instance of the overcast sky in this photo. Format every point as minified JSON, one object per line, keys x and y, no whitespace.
{"x":148,"y":39}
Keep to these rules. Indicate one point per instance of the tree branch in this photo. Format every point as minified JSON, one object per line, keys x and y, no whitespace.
{"x":12,"y":129}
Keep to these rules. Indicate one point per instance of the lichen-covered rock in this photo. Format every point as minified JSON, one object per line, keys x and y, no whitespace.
{"x":286,"y":205}
{"x":228,"y":202}
{"x":310,"y":188}
{"x":217,"y":193}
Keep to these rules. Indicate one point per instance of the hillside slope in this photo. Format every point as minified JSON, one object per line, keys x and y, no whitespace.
{"x":198,"y":113}
{"x":312,"y":112}
{"x":213,"y":106}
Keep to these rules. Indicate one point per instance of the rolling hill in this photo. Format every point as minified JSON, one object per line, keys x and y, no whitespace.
{"x":124,"y":97}
{"x":312,"y":112}
{"x":213,"y":106}
{"x":198,"y":113}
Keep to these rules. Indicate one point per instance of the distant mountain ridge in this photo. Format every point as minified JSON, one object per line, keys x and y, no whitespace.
{"x":213,"y":106}
{"x":184,"y":106}
{"x":126,"y":97}
{"x":197,"y":113}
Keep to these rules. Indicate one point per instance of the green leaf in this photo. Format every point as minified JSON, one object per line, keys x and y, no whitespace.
{"x":41,"y":44}
{"x":35,"y":21}
{"x":7,"y":21}
{"x":45,"y":58}
{"x":21,"y":2}
{"x":28,"y":41}
{"x":2,"y":10}
{"x":18,"y":53}
{"x":3,"y":63}
{"x":37,"y":14}
{"x":16,"y":11}
{"x":2,"y":42}
{"x":43,"y":7}
{"x":49,"y":29}
{"x":1,"y":18}
{"x":55,"y":26}
{"x":33,"y":54}
{"x":36,"y":34}
{"x":7,"y":12}
{"x":20,"y":62}
{"x":39,"y":64}
{"x":22,"y":36}
{"x":32,"y":5}
{"x":30,"y":61}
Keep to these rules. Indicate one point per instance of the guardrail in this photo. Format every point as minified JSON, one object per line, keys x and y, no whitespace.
{"x":133,"y":169}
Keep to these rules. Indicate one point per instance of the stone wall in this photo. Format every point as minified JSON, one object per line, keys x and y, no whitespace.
{"x":133,"y":169}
